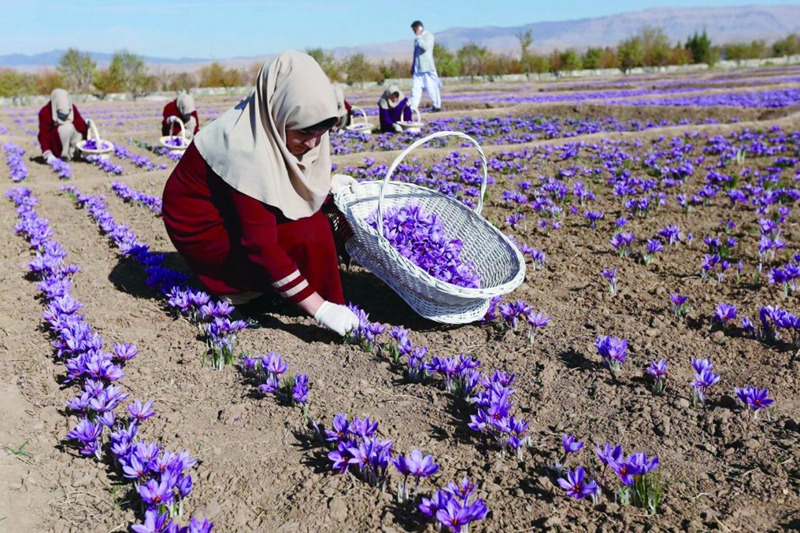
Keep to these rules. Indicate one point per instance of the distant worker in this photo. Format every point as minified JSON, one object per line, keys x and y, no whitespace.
{"x":393,"y":107}
{"x":423,"y":69}
{"x":61,"y":127}
{"x":183,"y":108}
{"x":344,"y":108}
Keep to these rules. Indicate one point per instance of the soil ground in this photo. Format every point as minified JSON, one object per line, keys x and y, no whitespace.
{"x":257,"y":470}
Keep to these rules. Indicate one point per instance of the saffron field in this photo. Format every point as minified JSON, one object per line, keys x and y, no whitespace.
{"x":644,"y":377}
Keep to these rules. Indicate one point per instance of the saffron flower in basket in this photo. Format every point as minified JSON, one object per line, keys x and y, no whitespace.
{"x":94,"y":144}
{"x":420,"y":237}
{"x":175,"y":142}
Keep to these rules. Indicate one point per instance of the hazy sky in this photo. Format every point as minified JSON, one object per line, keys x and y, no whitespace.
{"x":215,"y":29}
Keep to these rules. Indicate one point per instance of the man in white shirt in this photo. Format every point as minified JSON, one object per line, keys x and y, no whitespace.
{"x":423,"y":69}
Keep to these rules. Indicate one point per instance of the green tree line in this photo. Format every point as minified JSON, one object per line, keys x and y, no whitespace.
{"x":128,"y":72}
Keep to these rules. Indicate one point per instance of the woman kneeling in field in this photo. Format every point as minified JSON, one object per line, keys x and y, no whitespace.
{"x":393,"y":108}
{"x":243,"y":206}
{"x":181,"y":108}
{"x":61,"y":127}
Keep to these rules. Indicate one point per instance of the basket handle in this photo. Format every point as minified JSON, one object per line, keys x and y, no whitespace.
{"x":413,"y":110}
{"x":92,"y":133}
{"x":366,"y":120}
{"x":418,"y":143}
{"x":183,"y":130}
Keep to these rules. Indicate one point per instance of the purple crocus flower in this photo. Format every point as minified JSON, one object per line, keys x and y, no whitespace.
{"x":454,"y":516}
{"x":679,"y":303}
{"x":363,"y":428}
{"x":430,"y":506}
{"x":270,"y":386}
{"x":154,"y":494}
{"x":135,"y":468}
{"x":702,"y":382}
{"x":626,"y":470}
{"x":754,"y":398}
{"x":672,"y":234}
{"x":725,"y":313}
{"x":700,"y":365}
{"x":184,"y":486}
{"x":125,"y":352}
{"x":593,"y":217}
{"x":606,"y":453}
{"x":654,"y":246}
{"x":341,"y":457}
{"x":197,"y":526}
{"x":536,"y":320}
{"x":141,"y":412}
{"x":640,"y":462}
{"x":154,"y":522}
{"x":575,"y":484}
{"x":611,"y":275}
{"x":570,"y":444}
{"x":613,"y":350}
{"x":300,"y":389}
{"x":659,"y":371}
{"x":273,"y":364}
{"x":341,"y":429}
{"x":416,"y":464}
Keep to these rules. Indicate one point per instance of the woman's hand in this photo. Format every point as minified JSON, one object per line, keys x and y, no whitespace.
{"x":336,"y":317}
{"x":342,"y":181}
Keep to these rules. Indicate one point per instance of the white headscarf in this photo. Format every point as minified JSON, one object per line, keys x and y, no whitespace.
{"x":342,"y":109}
{"x":185,"y":103}
{"x":61,"y":102}
{"x":385,"y":102}
{"x":246,"y":145}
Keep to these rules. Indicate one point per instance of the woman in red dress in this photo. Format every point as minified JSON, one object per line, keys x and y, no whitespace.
{"x":243,"y":204}
{"x":61,"y":127}
{"x":184,"y":109}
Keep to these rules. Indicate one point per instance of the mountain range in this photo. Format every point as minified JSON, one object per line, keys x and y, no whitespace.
{"x":723,"y":24}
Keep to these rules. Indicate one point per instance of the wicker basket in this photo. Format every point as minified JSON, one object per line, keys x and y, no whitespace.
{"x":93,"y":135}
{"x":360,"y":127}
{"x":495,"y":258}
{"x":414,"y":126}
{"x":184,"y":141}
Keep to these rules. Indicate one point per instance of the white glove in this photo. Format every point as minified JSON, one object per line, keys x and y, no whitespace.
{"x":171,"y":119}
{"x":49,"y":157}
{"x":336,"y":317}
{"x":342,"y":181}
{"x":89,"y":122}
{"x":398,"y":128}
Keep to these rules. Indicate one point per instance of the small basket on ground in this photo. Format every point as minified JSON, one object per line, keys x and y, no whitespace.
{"x":494,"y":257}
{"x":360,"y":127}
{"x":94,"y":145}
{"x":415,"y":126}
{"x":177,"y":144}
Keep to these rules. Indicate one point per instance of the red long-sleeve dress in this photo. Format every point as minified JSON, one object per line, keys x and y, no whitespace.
{"x":48,"y":129}
{"x":234,"y":243}
{"x":171,"y":110}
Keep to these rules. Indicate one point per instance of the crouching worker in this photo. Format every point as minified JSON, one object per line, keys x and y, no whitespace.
{"x":393,"y":108}
{"x":61,"y":127}
{"x":183,"y":108}
{"x":243,"y":205}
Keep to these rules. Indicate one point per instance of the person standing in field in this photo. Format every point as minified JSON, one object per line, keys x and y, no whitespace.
{"x":61,"y":127}
{"x":182,"y":108}
{"x":423,"y":69}
{"x":244,"y":205}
